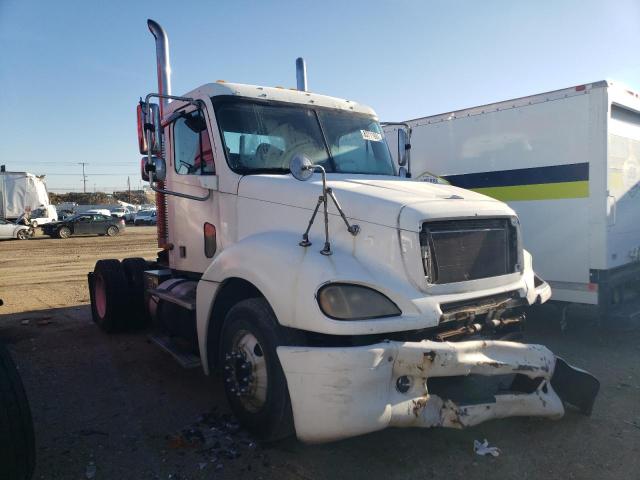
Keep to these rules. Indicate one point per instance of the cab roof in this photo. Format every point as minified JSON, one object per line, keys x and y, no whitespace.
{"x":221,"y":88}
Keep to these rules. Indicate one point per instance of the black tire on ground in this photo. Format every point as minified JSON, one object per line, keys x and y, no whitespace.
{"x":64,"y":232}
{"x":112,"y":231}
{"x":110,"y":299}
{"x":23,"y":234}
{"x":17,"y":444}
{"x":273,"y":420}
{"x":134,"y":272}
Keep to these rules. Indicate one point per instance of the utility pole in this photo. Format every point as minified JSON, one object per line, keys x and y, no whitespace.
{"x":84,"y":177}
{"x":129,"y":188}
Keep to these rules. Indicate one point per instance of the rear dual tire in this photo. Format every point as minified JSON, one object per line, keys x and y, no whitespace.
{"x":117,"y":297}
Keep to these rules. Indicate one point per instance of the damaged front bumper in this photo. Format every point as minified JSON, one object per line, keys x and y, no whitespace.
{"x":342,"y":392}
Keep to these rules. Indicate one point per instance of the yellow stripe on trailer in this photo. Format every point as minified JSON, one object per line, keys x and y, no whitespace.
{"x":540,"y":191}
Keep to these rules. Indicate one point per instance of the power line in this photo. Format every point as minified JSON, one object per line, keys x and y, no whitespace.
{"x":74,"y":163}
{"x":93,"y":174}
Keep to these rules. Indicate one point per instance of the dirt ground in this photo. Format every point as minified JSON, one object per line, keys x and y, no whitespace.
{"x":117,"y":407}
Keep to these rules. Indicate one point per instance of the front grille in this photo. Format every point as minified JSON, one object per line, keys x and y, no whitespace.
{"x":461,"y":250}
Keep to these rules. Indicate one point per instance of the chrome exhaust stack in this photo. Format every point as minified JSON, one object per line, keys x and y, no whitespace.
{"x":163,"y":63}
{"x":164,"y":88}
{"x":301,"y":74}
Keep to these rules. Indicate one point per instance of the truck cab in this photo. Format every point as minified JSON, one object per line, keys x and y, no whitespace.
{"x":326,"y":288}
{"x":43,"y":214}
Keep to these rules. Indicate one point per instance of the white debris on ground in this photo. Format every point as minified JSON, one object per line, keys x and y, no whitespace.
{"x":483,"y":448}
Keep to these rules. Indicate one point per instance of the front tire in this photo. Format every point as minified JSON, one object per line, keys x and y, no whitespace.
{"x":23,"y":234}
{"x":64,"y":232}
{"x":254,"y":382}
{"x":112,"y":231}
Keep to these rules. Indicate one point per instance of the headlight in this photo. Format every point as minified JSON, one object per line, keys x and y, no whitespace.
{"x":344,"y":301}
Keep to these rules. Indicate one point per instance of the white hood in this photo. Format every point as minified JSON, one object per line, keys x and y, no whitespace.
{"x":384,"y":200}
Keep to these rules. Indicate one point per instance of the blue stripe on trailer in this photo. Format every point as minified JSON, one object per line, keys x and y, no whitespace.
{"x":522,"y":176}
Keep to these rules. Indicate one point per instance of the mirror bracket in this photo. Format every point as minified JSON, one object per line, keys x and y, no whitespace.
{"x":302,"y":169}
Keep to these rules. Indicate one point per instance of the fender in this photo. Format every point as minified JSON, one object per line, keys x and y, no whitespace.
{"x":289,"y":276}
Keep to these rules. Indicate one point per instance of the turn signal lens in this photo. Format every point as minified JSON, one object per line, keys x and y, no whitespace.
{"x":344,"y":301}
{"x":209,"y":240}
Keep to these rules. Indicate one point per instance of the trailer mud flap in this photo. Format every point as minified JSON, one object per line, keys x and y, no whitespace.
{"x":575,"y":386}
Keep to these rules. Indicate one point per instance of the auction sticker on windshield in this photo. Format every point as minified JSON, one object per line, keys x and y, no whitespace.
{"x":373,"y":136}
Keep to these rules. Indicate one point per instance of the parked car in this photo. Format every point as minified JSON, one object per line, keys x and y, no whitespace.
{"x":123,"y":212}
{"x":145,"y":217}
{"x":130,"y":216}
{"x":13,"y":230}
{"x":85,"y":224}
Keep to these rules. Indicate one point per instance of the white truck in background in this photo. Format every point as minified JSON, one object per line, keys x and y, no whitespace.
{"x":568,"y":162}
{"x":335,"y":297}
{"x":21,"y":192}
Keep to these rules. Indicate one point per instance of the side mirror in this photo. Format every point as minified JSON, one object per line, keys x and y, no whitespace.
{"x":154,"y":172}
{"x":403,"y":147}
{"x":151,"y":123}
{"x":301,"y":167}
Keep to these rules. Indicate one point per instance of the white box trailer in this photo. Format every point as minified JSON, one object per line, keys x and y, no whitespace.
{"x":20,"y":191}
{"x":568,"y":162}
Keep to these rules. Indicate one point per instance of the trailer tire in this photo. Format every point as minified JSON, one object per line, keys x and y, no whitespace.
{"x":253,"y":322}
{"x":17,"y":443}
{"x":110,"y":297}
{"x":134,"y":269}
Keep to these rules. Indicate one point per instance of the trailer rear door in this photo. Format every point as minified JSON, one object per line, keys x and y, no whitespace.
{"x":623,"y":184}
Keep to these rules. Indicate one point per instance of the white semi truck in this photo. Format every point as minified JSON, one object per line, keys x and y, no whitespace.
{"x":21,"y":192}
{"x":568,"y":163}
{"x":335,"y":297}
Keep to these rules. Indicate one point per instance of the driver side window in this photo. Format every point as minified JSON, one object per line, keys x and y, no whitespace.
{"x":192,"y":151}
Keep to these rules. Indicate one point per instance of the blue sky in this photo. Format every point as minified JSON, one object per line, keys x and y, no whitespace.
{"x":71,"y":71}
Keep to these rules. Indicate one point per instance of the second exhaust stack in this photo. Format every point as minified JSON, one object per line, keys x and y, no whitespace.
{"x":301,"y":74}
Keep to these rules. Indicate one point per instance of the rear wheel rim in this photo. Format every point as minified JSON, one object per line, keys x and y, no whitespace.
{"x":111,"y":231}
{"x":246,"y":371}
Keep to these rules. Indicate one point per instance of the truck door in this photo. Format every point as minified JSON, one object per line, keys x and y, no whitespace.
{"x":191,"y":169}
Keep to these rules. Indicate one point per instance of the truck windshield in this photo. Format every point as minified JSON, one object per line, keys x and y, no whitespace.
{"x":263,"y":137}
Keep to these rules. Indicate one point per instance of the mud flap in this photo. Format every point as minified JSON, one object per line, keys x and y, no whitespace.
{"x":574,"y":386}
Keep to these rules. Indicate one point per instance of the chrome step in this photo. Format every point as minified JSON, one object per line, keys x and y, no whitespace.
{"x":185,"y":358}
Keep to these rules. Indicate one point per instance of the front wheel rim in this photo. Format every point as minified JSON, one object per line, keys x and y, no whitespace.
{"x":245,"y":371}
